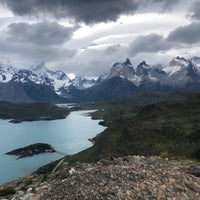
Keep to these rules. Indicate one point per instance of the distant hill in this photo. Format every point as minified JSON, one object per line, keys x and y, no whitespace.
{"x":31,"y":111}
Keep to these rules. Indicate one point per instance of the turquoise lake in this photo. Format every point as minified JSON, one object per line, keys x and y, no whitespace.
{"x":68,"y":135}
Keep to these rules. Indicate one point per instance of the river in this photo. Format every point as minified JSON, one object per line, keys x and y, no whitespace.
{"x":68,"y":136}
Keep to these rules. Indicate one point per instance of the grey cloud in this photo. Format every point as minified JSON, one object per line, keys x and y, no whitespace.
{"x":88,"y":11}
{"x":166,"y":4}
{"x":113,"y":49}
{"x":189,"y":34}
{"x":25,"y":44}
{"x":195,"y":11}
{"x":149,"y":43}
{"x":92,"y":62}
{"x":43,"y":33}
{"x":27,"y":53}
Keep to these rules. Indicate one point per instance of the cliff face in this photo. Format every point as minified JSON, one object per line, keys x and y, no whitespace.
{"x":131,"y":177}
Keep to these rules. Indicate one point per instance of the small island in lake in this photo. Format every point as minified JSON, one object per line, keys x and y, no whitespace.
{"x":32,"y":150}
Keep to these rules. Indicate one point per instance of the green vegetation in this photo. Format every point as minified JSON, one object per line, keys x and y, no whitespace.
{"x":168,"y":128}
{"x":147,"y":124}
{"x":31,"y":111}
{"x":7,"y":191}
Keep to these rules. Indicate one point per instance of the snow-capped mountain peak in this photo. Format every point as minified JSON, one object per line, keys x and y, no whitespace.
{"x":176,"y":65}
{"x":6,"y":72}
{"x":179,"y":61}
{"x":83,"y":83}
{"x":180,"y":73}
{"x":127,"y":62}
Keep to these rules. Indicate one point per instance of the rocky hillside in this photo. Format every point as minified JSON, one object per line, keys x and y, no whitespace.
{"x":131,"y":177}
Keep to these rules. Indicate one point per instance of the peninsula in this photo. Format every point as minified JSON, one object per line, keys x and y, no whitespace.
{"x":19,"y":112}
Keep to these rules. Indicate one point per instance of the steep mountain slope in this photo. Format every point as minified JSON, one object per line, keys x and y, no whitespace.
{"x":109,"y":89}
{"x":27,"y":92}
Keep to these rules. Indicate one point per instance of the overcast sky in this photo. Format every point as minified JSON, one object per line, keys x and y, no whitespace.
{"x":86,"y":37}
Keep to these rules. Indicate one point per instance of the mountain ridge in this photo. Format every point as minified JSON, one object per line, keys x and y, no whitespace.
{"x":181,"y":73}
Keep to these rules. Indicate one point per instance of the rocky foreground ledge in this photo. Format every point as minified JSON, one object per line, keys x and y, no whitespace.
{"x":131,"y":177}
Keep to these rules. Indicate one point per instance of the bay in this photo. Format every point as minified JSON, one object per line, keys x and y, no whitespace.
{"x":68,"y":136}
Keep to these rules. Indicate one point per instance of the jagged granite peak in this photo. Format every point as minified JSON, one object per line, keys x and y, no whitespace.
{"x":123,"y":70}
{"x":142,"y":69}
{"x":144,"y":65}
{"x":127,"y":62}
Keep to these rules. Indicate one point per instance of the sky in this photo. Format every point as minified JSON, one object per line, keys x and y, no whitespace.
{"x":85,"y":37}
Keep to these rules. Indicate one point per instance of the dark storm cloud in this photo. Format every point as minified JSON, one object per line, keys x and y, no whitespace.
{"x":88,"y":11}
{"x":189,"y":34}
{"x":195,"y":11}
{"x":149,"y":43}
{"x":43,"y":33}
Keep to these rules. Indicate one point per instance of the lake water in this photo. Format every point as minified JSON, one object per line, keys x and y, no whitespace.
{"x":68,"y":135}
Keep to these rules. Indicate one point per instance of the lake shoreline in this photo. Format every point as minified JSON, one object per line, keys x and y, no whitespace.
{"x":63,"y":135}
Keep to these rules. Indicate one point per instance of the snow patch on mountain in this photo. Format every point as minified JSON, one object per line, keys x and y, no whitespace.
{"x":6,"y":72}
{"x":170,"y":70}
{"x":177,"y":64}
{"x":83,"y":83}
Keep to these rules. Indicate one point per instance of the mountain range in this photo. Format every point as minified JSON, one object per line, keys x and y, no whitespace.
{"x":39,"y":84}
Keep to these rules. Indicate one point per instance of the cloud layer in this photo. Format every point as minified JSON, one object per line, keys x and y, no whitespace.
{"x":88,"y":11}
{"x":43,"y":33}
{"x":39,"y":42}
{"x":70,"y":35}
{"x":196,"y":11}
{"x":189,"y":34}
{"x":149,"y":43}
